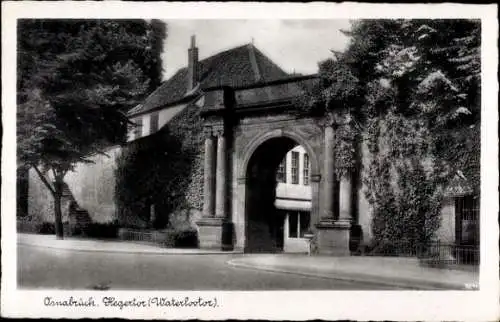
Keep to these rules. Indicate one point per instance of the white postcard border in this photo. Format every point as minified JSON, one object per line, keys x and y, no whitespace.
{"x":295,"y":305}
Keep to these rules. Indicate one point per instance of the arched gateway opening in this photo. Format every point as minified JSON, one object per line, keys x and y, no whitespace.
{"x":278,"y":197}
{"x":248,"y":132}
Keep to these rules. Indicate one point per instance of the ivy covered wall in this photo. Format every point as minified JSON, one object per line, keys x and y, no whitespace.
{"x":160,"y":177}
{"x":408,"y":93}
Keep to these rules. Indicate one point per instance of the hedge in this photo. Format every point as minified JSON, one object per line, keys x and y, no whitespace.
{"x":93,"y":230}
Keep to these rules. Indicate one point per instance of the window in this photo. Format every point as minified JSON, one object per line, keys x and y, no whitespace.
{"x":295,"y":167}
{"x":153,"y":123}
{"x":293,"y":229}
{"x":281,"y":174}
{"x":138,"y":128}
{"x":467,"y":220}
{"x":468,"y":207}
{"x":298,"y":223}
{"x":304,"y":219}
{"x":305,"y":171}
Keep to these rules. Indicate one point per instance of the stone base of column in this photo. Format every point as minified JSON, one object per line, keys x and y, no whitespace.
{"x":215,"y":233}
{"x":333,"y":238}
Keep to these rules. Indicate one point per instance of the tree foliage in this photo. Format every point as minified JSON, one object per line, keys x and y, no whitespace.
{"x":76,"y":81}
{"x":412,"y":88}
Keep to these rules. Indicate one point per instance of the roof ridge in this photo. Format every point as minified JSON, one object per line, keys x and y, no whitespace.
{"x":225,"y":51}
{"x":204,"y":60}
{"x":239,"y":66}
{"x":253,"y":62}
{"x":257,"y":51}
{"x":201,"y":61}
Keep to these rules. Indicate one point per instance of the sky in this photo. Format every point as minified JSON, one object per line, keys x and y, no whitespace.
{"x":295,"y":45}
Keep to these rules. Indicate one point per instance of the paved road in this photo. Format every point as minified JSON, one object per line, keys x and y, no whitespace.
{"x":66,"y":269}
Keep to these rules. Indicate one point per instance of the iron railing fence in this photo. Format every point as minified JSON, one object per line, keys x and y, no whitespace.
{"x":142,"y":236}
{"x":452,"y":254}
{"x":186,"y":238}
{"x":435,"y":252}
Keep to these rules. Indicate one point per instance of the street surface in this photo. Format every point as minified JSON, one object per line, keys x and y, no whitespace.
{"x":49,"y":268}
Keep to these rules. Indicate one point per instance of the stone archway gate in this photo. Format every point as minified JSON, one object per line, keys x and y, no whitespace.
{"x":237,"y":120}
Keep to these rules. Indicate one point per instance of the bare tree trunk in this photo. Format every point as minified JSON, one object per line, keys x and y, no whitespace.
{"x":56,"y":191}
{"x":57,"y":209}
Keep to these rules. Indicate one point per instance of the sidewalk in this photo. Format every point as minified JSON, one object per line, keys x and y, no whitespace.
{"x":115,"y":246}
{"x":393,"y":271}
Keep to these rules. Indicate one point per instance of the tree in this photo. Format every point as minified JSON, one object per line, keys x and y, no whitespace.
{"x":414,"y":86}
{"x":76,"y":81}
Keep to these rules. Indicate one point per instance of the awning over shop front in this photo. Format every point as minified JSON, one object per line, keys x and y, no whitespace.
{"x":289,"y":204}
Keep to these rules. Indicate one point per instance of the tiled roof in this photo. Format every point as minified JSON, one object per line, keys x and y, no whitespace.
{"x":240,"y":66}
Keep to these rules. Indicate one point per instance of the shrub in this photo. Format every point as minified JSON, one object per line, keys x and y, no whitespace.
{"x":102,"y":230}
{"x":27,"y":226}
{"x":46,"y":228}
{"x":185,"y":239}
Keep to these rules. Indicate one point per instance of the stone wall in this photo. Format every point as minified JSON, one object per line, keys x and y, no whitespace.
{"x":41,"y":201}
{"x":92,"y":186}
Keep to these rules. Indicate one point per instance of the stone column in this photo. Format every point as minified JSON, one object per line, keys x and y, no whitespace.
{"x":328,"y":174}
{"x":221,"y":175}
{"x":345,"y":214}
{"x":332,"y":235}
{"x":214,"y":229}
{"x":209,"y":175}
{"x":315,"y":200}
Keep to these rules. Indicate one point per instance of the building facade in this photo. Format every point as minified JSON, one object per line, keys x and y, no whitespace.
{"x":293,"y":199}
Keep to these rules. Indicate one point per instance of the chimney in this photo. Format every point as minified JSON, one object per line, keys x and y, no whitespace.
{"x":192,"y":75}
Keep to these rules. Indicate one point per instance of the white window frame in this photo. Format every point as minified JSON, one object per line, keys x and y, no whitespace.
{"x":306,"y":169}
{"x":294,"y":169}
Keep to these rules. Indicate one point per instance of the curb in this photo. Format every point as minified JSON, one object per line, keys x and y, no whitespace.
{"x":128,"y":251}
{"x":369,"y":279}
